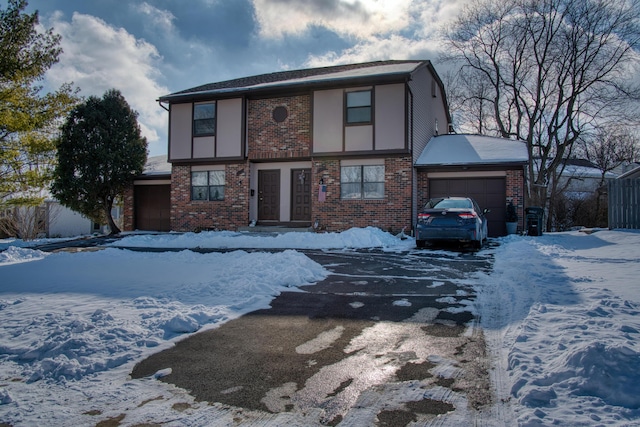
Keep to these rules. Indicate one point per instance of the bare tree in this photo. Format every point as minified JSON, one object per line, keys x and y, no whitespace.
{"x":24,"y":222}
{"x":555,"y":68}
{"x":608,"y":148}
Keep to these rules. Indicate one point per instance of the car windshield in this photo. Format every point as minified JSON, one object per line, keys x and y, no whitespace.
{"x":450,"y":204}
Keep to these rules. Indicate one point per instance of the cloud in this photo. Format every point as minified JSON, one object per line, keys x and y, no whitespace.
{"x":374,"y":49}
{"x":157,"y":19}
{"x":419,"y":38}
{"x":356,"y":18}
{"x":97,"y":57}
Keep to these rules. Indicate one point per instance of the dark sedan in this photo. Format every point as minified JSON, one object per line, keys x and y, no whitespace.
{"x":452,"y":219}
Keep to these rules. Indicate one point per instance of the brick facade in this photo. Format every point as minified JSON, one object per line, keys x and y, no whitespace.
{"x":128,"y":210}
{"x":515,"y":192}
{"x":288,"y":139}
{"x":393,"y":213}
{"x":196,"y":215}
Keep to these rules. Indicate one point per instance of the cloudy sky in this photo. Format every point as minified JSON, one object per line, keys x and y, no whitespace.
{"x":155,"y":47}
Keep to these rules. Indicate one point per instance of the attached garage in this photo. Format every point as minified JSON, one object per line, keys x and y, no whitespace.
{"x":147,"y":203}
{"x":489,"y":170}
{"x":490,"y":193}
{"x":152,"y":207}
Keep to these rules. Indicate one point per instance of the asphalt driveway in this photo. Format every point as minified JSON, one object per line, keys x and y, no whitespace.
{"x":386,"y":339}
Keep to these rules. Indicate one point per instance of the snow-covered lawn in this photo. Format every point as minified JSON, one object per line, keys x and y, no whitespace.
{"x":562,"y":316}
{"x":560,"y":313}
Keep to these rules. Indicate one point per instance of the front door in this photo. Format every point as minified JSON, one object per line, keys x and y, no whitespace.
{"x":269,"y":195}
{"x":301,"y":195}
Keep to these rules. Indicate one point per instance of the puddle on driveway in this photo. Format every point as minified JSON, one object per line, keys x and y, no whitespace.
{"x":381,"y":341}
{"x":281,"y":360}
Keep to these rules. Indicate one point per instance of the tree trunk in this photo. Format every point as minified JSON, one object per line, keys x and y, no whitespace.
{"x":114,"y":229}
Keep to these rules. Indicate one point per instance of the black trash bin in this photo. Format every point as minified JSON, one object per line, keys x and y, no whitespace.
{"x":534,"y":218}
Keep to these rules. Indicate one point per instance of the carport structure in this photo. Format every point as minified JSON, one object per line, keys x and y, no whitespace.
{"x":490,"y":170}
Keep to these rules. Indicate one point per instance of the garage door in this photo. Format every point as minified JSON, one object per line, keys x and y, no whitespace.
{"x":490,"y":193}
{"x":152,"y":207}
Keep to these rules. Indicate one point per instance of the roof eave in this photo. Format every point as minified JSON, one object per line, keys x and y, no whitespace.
{"x":501,"y":164}
{"x":387,"y":78}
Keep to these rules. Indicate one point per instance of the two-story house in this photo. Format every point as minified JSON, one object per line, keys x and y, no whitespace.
{"x":330,"y":147}
{"x":333,"y":148}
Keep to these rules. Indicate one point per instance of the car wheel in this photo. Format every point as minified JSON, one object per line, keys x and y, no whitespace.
{"x":420,"y":244}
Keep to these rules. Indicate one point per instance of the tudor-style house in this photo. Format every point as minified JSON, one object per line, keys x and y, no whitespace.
{"x":330,"y":147}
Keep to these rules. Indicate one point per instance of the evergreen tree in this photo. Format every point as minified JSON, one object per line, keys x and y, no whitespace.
{"x":100,"y":152}
{"x":29,"y":118}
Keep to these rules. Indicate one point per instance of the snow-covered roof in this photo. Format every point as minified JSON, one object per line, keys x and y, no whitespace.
{"x":631,"y":174}
{"x":578,"y":168}
{"x":157,"y":165}
{"x":454,"y":149}
{"x":310,"y":76}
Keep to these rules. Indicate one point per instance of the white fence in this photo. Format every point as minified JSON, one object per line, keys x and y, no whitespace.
{"x":624,"y":203}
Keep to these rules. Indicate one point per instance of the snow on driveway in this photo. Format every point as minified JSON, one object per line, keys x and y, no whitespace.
{"x":560,"y":313}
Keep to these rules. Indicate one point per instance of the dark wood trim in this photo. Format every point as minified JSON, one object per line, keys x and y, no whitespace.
{"x":196,"y":162}
{"x":408,"y":116}
{"x":377,"y":153}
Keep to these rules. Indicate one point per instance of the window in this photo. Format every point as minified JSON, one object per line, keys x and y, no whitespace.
{"x":207,"y":185}
{"x":359,"y":107}
{"x":362,"y":182}
{"x":204,"y":119}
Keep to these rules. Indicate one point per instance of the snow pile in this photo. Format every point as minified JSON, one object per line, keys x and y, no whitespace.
{"x":561,"y":314}
{"x":65,"y":316}
{"x":354,"y":238}
{"x":16,"y":254}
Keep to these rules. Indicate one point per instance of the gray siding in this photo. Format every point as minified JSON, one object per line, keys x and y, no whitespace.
{"x":624,"y":203}
{"x":427,"y":110}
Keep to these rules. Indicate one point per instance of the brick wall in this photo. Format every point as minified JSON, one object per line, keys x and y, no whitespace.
{"x":196,"y":215}
{"x":423,"y":189}
{"x":393,"y":213}
{"x":127,"y":210}
{"x":515,"y":192}
{"x":288,"y":139}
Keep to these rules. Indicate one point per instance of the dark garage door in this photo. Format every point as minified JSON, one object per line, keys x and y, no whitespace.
{"x":152,"y":207}
{"x":490,"y":193}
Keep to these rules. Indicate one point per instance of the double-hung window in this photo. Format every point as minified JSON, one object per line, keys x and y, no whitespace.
{"x":358,"y":107}
{"x":207,"y":185}
{"x":362,"y":182}
{"x":204,"y":119}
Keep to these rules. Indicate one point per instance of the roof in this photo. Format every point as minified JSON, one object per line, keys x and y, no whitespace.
{"x":576,"y":169}
{"x":631,"y":174}
{"x":464,"y":150}
{"x":361,"y":73}
{"x":157,"y":165}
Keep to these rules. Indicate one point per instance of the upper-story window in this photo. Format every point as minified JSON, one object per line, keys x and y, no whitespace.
{"x":359,"y":107}
{"x":204,"y":119}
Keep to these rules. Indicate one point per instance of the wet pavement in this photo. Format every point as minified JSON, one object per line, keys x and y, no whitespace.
{"x":386,"y":339}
